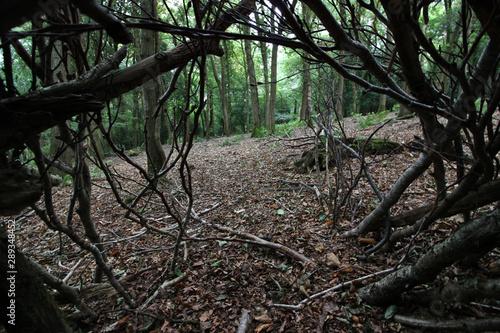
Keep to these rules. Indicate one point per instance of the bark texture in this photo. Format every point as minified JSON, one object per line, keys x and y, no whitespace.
{"x":34,"y":309}
{"x":479,"y":235}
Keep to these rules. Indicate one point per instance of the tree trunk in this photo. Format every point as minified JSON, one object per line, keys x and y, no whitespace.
{"x":208,"y":111}
{"x":339,"y":108}
{"x":354,"y":100}
{"x":152,"y":121}
{"x":135,"y":118}
{"x":382,"y":104}
{"x":226,"y":79}
{"x":222,"y":93}
{"x":305,"y":107}
{"x":59,"y":148}
{"x":274,"y":78}
{"x":27,"y":304}
{"x":254,"y":92}
{"x":403,"y":111}
{"x":265,"y":70}
{"x":478,"y":236}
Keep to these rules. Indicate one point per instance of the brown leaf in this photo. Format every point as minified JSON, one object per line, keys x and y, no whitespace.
{"x":263,"y":318}
{"x":332,"y":260}
{"x":262,"y":327}
{"x":363,"y":240}
{"x":205,"y":316}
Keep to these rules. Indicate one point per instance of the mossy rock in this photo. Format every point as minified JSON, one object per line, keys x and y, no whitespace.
{"x":133,"y":153}
{"x":308,"y":162}
{"x":375,"y":146}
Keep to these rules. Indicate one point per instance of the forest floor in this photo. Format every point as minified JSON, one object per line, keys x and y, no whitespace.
{"x":254,"y":189}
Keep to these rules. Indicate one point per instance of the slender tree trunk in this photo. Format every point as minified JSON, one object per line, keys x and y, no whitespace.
{"x":208,"y":111}
{"x":226,"y":78}
{"x":265,"y":69}
{"x":305,"y":107}
{"x":339,"y":107}
{"x":135,"y":118}
{"x":382,"y":105}
{"x":254,"y":93}
{"x":354,"y":100}
{"x":274,"y":79}
{"x":222,"y":93}
{"x":152,"y":121}
{"x":247,"y":97}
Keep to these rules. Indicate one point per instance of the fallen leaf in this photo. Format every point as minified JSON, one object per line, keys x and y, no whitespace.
{"x":363,"y":240}
{"x":205,"y":316}
{"x":263,"y":318}
{"x":262,"y":327}
{"x":320,"y":248}
{"x":332,"y":260}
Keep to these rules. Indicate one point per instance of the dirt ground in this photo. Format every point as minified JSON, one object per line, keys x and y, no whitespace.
{"x":254,"y":189}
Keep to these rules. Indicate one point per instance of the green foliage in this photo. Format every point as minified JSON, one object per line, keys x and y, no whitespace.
{"x":372,"y":118}
{"x":133,"y":153}
{"x":261,"y":132}
{"x":226,"y":143}
{"x":67,"y":180}
{"x":289,"y":127}
{"x":232,"y":141}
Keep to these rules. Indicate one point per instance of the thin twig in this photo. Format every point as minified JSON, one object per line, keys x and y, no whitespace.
{"x":301,"y":304}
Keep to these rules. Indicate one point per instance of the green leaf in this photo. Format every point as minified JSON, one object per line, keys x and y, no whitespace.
{"x":216,"y":264}
{"x":281,"y":212}
{"x":390,"y":312}
{"x":222,"y":243}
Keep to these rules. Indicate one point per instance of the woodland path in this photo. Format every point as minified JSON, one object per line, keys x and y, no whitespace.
{"x":246,"y":177}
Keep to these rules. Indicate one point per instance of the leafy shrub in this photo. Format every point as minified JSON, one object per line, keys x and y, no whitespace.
{"x":289,"y":127}
{"x":261,"y":132}
{"x":372,"y":118}
{"x":226,"y":143}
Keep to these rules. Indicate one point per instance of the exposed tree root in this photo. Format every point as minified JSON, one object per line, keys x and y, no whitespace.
{"x":477,"y":236}
{"x":473,"y":288}
{"x":468,"y":325}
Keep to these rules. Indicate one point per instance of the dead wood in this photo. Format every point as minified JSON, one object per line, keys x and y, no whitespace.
{"x":282,"y":248}
{"x":372,"y":146}
{"x":163,"y":286}
{"x":95,"y":292}
{"x":244,"y":320}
